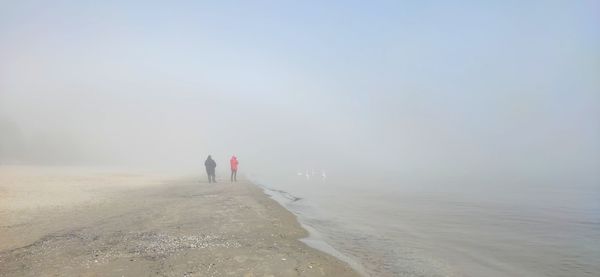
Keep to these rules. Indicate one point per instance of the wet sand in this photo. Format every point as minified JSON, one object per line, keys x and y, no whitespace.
{"x":73,"y":222}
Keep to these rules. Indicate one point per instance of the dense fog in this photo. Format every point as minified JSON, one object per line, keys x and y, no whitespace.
{"x":418,"y":92}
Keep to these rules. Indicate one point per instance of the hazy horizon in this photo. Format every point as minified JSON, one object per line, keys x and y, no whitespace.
{"x":467,"y":91}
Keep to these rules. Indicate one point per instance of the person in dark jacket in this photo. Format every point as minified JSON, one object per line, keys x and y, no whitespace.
{"x":210,"y":165}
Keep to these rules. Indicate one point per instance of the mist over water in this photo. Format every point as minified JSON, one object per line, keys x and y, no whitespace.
{"x":441,"y":127}
{"x":394,"y":229}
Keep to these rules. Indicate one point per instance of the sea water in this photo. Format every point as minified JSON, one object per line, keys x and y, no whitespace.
{"x":385,"y":229}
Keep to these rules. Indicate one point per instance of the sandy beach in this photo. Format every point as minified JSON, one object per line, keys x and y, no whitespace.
{"x":86,"y":222}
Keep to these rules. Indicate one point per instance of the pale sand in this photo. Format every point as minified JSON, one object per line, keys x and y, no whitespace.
{"x":86,"y":222}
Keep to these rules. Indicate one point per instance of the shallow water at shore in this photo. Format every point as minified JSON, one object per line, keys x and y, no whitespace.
{"x":539,"y":231}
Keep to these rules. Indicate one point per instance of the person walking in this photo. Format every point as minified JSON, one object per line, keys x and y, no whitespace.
{"x":210,"y":165}
{"x":234,"y":167}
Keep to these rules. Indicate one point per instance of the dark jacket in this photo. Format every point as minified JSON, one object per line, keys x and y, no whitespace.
{"x":210,"y":164}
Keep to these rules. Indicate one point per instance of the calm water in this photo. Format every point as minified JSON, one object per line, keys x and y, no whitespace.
{"x":500,"y":231}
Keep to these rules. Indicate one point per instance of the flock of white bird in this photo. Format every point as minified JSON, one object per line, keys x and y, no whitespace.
{"x":312,"y":174}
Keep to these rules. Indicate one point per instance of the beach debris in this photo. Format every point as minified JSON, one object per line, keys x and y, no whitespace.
{"x":130,"y":245}
{"x":284,"y":194}
{"x":154,"y":245}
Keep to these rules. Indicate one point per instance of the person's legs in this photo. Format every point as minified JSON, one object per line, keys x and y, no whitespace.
{"x":231,"y":180}
{"x":211,"y":175}
{"x":235,"y":175}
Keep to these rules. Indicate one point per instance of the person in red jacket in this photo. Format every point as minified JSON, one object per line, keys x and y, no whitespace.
{"x":234,"y":167}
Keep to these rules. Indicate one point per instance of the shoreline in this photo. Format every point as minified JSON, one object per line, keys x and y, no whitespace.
{"x":169,"y":227}
{"x":314,"y":238}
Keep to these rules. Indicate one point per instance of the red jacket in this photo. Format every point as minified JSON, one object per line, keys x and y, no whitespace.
{"x":234,"y":163}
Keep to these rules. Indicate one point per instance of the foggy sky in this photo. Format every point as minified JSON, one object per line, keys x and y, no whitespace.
{"x":463,"y":90}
